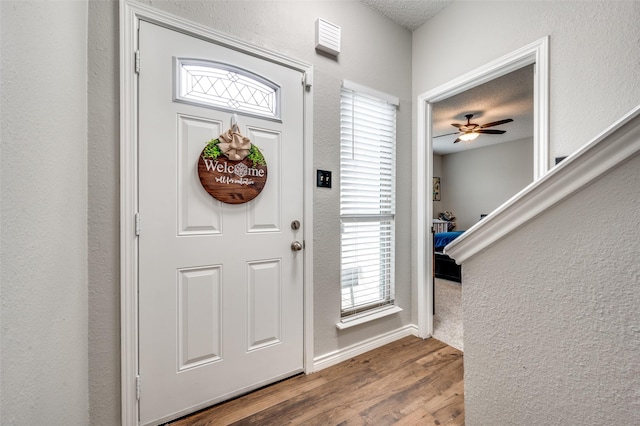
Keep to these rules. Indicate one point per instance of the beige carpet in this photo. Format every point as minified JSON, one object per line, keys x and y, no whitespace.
{"x":447,"y":321}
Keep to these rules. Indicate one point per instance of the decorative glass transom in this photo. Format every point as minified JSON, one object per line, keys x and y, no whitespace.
{"x":223,"y":86}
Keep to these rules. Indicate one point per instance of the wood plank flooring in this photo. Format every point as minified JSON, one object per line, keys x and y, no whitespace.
{"x":407,"y":382}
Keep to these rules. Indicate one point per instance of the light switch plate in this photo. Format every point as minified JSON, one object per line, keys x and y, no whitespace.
{"x":323,"y":179}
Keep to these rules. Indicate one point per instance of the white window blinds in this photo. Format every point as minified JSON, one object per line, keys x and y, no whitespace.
{"x":367,"y":198}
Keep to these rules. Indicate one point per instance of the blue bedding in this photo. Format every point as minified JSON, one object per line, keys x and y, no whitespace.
{"x":441,"y":239}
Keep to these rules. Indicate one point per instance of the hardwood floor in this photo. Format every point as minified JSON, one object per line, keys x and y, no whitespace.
{"x":407,"y":382}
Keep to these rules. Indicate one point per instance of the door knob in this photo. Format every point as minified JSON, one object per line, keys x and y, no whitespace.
{"x":296,"y":246}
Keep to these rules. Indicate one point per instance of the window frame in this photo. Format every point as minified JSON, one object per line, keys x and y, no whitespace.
{"x":385,"y":215}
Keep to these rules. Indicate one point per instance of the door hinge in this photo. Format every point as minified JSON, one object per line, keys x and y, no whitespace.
{"x":138,"y":387}
{"x":306,"y":80}
{"x":137,"y":65}
{"x":137,"y":224}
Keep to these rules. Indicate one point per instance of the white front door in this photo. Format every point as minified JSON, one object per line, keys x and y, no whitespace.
{"x":220,"y":288}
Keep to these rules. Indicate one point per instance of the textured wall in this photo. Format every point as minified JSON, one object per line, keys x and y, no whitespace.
{"x":552,"y":325}
{"x":594,"y":56}
{"x":375,"y":53}
{"x":43,"y":249}
{"x":477,"y":181}
{"x":104,"y":212}
{"x":550,"y":314}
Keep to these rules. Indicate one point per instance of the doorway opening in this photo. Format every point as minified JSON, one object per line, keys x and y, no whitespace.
{"x":472,"y":178}
{"x":535,"y":54}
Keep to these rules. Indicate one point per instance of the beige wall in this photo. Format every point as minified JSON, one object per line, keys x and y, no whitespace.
{"x":104,"y":213}
{"x":477,"y":181}
{"x":60,"y":98}
{"x":43,"y":249}
{"x":593,"y":56}
{"x":550,"y":312}
{"x":375,"y":53}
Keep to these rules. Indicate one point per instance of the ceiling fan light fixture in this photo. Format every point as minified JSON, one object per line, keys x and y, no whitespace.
{"x":468,"y":137}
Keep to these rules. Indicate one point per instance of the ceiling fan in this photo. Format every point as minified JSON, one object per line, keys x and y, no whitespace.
{"x":470,"y":131}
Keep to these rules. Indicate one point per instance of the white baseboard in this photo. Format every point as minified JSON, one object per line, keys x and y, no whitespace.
{"x":332,"y":358}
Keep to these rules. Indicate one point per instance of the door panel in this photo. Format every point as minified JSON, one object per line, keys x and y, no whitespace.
{"x":199,"y":316}
{"x":195,"y":209}
{"x":265,"y":311}
{"x":220,"y":290}
{"x":264,"y":215}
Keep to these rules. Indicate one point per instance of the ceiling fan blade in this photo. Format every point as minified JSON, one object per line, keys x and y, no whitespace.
{"x":496,"y":123}
{"x":491,"y":131}
{"x":457,"y":140}
{"x":456,"y":125}
{"x":447,"y":134}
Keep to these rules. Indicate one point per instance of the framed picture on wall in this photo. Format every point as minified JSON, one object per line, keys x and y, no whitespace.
{"x":436,"y":188}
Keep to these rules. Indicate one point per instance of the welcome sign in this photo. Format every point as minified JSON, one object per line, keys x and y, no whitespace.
{"x":232,"y":181}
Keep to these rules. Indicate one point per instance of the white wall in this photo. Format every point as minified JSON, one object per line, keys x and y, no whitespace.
{"x":477,"y":181}
{"x":43,"y":249}
{"x":375,"y":53}
{"x":594,"y":56}
{"x":551,"y":314}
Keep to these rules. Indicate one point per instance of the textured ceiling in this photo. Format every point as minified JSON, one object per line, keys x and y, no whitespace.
{"x":410,"y":14}
{"x":509,"y":96}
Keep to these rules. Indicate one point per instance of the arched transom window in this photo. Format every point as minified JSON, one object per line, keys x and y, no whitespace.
{"x":226,"y":87}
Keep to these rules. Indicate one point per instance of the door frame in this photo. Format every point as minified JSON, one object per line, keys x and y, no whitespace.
{"x":533,"y":53}
{"x":131,"y":13}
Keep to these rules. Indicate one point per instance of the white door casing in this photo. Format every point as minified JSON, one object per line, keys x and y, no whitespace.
{"x":131,"y":15}
{"x":199,"y":258}
{"x":534,"y":53}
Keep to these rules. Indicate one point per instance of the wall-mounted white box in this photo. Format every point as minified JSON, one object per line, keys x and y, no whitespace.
{"x":327,"y":37}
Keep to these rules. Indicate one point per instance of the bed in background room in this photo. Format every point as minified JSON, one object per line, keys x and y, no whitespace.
{"x":444,"y":266}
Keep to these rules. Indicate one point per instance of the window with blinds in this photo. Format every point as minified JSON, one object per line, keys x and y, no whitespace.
{"x":367,"y":198}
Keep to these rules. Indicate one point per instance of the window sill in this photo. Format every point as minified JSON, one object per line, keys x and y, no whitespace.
{"x":364,"y":317}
